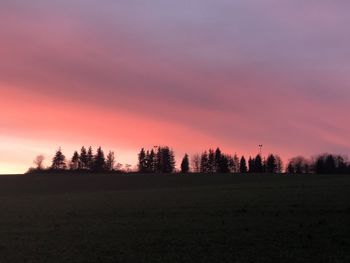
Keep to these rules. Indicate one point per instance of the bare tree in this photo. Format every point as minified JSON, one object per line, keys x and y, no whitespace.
{"x":196,"y":163}
{"x":279,"y":164}
{"x":110,"y":162}
{"x":128,"y":168}
{"x":38,"y":161}
{"x":118,"y":167}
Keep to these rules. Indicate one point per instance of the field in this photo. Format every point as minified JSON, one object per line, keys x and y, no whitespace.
{"x":168,"y":218}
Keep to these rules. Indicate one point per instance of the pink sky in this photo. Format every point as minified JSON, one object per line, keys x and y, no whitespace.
{"x":188,"y":74}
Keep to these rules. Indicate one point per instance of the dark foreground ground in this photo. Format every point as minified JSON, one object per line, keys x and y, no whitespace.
{"x":174,"y":219}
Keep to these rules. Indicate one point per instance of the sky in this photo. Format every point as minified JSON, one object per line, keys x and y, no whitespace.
{"x":191,"y":74}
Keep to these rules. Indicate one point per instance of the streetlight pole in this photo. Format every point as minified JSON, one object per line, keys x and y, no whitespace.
{"x":260,"y":147}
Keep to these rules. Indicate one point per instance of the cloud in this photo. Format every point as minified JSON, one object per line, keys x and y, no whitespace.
{"x":235,"y":73}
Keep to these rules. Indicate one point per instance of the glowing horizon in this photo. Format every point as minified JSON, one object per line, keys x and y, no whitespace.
{"x":188,"y":74}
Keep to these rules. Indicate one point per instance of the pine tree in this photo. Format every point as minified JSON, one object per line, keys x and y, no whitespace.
{"x":59,"y":161}
{"x":243,"y":165}
{"x":99,"y":161}
{"x":258,"y":164}
{"x":168,"y":158}
{"x":218,"y":160}
{"x":151,"y":161}
{"x":158,"y":164}
{"x":172,"y":160}
{"x":90,"y":159}
{"x":251,"y":164}
{"x":236,"y":164}
{"x":330,"y":166}
{"x":231,"y":163}
{"x":185,"y":164}
{"x":271,"y":166}
{"x":204,"y":163}
{"x":320,"y":165}
{"x":142,"y":165}
{"x":224,"y":164}
{"x":74,"y":164}
{"x":83,"y":159}
{"x":211,"y":162}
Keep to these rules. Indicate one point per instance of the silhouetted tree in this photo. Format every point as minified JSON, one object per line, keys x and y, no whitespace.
{"x":59,"y":161}
{"x":218,"y":161}
{"x":164,"y":160}
{"x":235,"y":168}
{"x":99,"y":161}
{"x":211,"y":162}
{"x":231,"y":164}
{"x":320,"y":165}
{"x":38,"y":161}
{"x":251,"y":164}
{"x":196,"y":163}
{"x":330,"y":167}
{"x":84,"y":162}
{"x":271,"y":166}
{"x":204,"y":163}
{"x":151,"y":161}
{"x":329,"y":164}
{"x":258,"y":164}
{"x":341,"y":165}
{"x":185,"y":164}
{"x":142,"y":165}
{"x":243,"y":165}
{"x":279,"y":164}
{"x":74,"y":163}
{"x":158,"y":162}
{"x":110,"y":161}
{"x":298,"y":165}
{"x":168,"y":160}
{"x":90,"y":159}
{"x":224,"y":164}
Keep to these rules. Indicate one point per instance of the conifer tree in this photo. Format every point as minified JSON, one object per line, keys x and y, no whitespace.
{"x":271,"y":166}
{"x":142,"y":165}
{"x":83,"y":159}
{"x":258,"y":164}
{"x":74,"y":163}
{"x":211,"y":166}
{"x":59,"y":161}
{"x":218,"y":161}
{"x":223,"y":164}
{"x":231,"y":163}
{"x":90,"y":159}
{"x":251,"y":164}
{"x":185,"y":164}
{"x":151,"y":161}
{"x":99,"y":163}
{"x":158,"y":164}
{"x":243,"y":165}
{"x":168,"y":158}
{"x":204,"y":163}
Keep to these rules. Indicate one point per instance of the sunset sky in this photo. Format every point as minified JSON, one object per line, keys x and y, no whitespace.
{"x":190,"y":74}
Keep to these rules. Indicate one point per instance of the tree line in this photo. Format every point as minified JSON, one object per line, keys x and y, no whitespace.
{"x":85,"y":160}
{"x":161,"y":159}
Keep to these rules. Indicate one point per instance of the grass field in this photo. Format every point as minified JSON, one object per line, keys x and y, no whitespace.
{"x":145,"y":218}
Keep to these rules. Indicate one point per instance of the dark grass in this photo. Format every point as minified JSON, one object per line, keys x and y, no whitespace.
{"x":167,"y":218}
